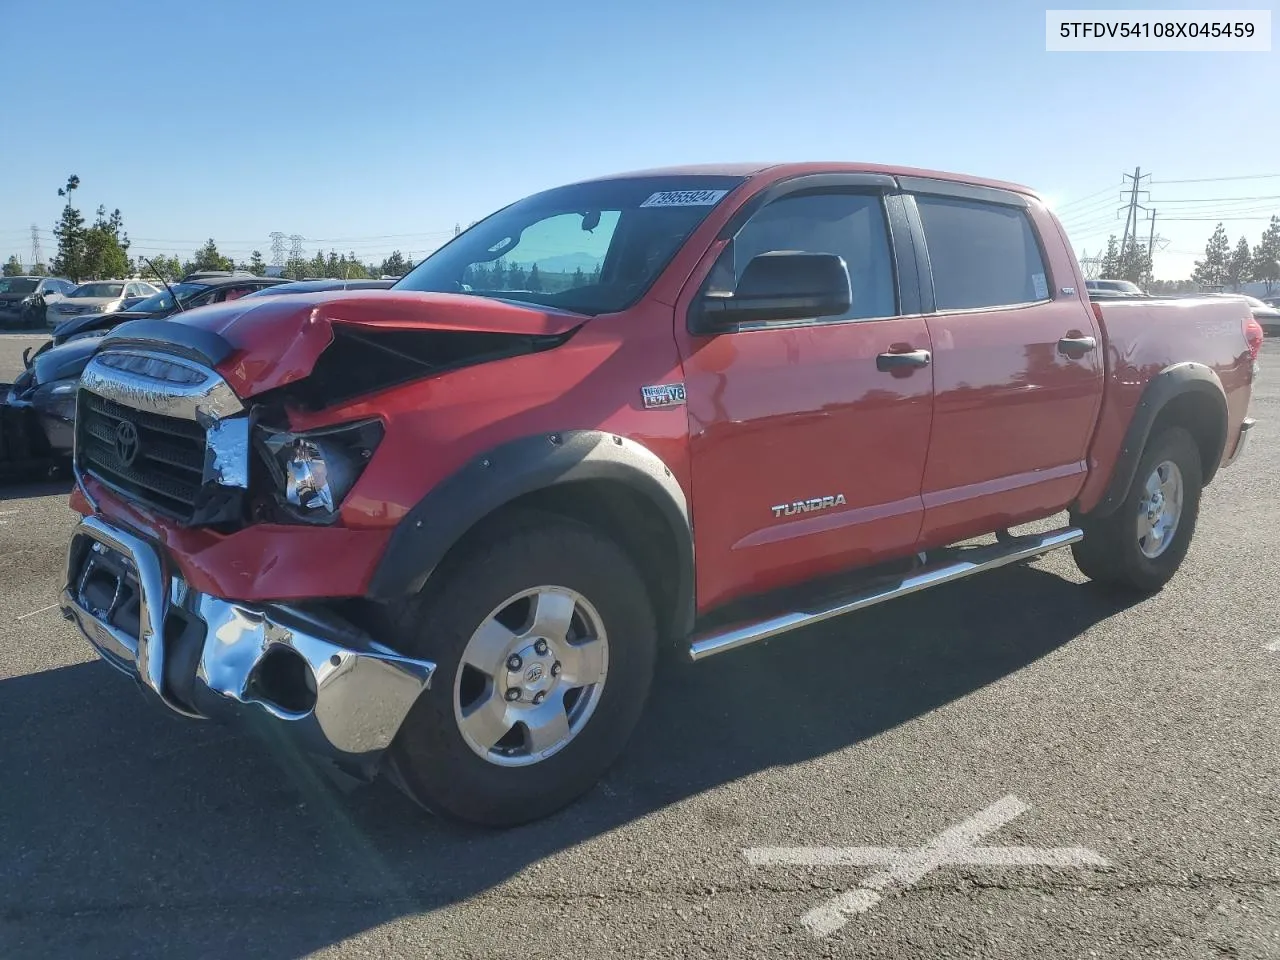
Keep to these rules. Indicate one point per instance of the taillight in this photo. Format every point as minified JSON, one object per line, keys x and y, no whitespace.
{"x":1253,"y":336}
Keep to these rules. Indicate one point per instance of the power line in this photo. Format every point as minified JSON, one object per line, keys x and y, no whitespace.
{"x":1256,"y":176}
{"x":1072,"y":203}
{"x":1257,"y":199}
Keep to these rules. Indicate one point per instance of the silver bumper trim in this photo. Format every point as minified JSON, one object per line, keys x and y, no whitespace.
{"x":1242,"y":441}
{"x":351,"y":694}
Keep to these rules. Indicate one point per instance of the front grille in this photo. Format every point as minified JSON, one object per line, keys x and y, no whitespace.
{"x":166,"y":453}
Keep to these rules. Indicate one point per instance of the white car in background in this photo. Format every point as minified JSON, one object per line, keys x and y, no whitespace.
{"x":98,"y":296}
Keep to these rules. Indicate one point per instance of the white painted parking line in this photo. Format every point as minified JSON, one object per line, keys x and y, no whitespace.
{"x":904,"y":866}
{"x":24,"y":616}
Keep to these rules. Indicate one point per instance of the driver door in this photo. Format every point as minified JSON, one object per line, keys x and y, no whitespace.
{"x":785,"y":414}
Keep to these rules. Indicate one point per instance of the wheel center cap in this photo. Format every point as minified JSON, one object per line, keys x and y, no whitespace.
{"x":534,"y":673}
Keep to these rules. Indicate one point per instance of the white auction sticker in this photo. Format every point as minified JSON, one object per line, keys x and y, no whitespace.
{"x":1123,"y":31}
{"x":684,"y":198}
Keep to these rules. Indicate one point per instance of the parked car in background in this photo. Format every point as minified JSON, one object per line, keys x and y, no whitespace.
{"x":1113,"y":288}
{"x":161,"y":304}
{"x":1272,"y":300}
{"x":24,"y":300}
{"x":322,"y":286}
{"x":47,"y":385}
{"x":1267,"y":315}
{"x":215,"y":275}
{"x":98,"y":296}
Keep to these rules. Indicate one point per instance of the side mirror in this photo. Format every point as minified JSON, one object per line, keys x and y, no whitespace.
{"x":783,"y":285}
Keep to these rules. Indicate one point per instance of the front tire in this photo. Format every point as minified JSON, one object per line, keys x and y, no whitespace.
{"x":545,"y":641}
{"x":1141,"y":545}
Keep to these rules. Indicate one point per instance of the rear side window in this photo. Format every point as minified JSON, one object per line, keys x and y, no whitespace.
{"x":982,"y":254}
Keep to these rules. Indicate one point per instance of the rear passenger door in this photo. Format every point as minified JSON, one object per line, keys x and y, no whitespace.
{"x":1017,"y":362}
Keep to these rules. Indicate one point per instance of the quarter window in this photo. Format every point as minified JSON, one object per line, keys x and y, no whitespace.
{"x":850,"y":225}
{"x":982,"y":254}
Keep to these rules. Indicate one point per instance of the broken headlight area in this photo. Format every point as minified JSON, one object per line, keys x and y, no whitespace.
{"x":57,"y":399}
{"x":311,"y":472}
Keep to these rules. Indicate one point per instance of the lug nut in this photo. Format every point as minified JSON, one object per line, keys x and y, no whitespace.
{"x":539,"y":697}
{"x":540,"y":648}
{"x":513,"y":694}
{"x":555,"y":669}
{"x":514,"y":662}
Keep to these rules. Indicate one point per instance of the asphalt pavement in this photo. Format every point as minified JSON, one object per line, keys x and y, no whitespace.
{"x":1016,"y":765}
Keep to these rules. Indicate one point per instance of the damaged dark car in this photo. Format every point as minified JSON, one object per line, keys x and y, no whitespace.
{"x":39,"y":408}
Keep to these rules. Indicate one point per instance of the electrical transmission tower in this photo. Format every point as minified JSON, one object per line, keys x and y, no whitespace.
{"x":37,"y":255}
{"x":1131,"y":218}
{"x":295,"y":247}
{"x":277,"y":248}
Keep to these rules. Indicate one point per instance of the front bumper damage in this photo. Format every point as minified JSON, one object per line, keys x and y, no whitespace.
{"x":333,"y":690}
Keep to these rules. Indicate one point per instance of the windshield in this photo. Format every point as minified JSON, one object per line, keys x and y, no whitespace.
{"x":18,"y":285}
{"x":159,"y":302}
{"x":588,"y":248}
{"x":98,"y":290}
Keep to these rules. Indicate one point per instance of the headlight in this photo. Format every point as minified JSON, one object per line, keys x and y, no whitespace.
{"x":57,"y":397}
{"x":313,"y":471}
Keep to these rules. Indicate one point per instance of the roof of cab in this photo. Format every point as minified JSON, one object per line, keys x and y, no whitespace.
{"x":780,"y":171}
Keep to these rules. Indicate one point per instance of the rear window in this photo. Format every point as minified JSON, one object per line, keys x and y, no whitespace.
{"x":982,"y":254}
{"x":18,"y":285}
{"x":98,"y":290}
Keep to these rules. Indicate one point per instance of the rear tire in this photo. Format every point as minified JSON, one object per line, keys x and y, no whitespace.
{"x":477,"y":617}
{"x":1141,"y":545}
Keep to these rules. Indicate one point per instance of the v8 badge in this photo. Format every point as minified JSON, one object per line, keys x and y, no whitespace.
{"x":663,"y":395}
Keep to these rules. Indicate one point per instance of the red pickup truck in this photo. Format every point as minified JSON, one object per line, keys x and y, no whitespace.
{"x":442,"y":531}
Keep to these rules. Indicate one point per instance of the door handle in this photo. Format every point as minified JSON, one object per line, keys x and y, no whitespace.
{"x":889,"y":362}
{"x":1076,"y":346}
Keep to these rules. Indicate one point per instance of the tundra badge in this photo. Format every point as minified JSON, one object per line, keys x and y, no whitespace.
{"x":663,"y":395}
{"x":804,"y":506}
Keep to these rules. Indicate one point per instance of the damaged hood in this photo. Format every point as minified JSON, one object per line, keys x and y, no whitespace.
{"x":259,"y":344}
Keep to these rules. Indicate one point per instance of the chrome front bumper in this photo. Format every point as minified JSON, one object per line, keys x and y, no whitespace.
{"x":334,"y":690}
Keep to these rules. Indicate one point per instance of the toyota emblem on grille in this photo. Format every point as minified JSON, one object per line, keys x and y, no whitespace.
{"x":127,"y":443}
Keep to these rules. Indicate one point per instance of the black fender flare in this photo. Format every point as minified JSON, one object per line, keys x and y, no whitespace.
{"x":1171,"y":382}
{"x":521,"y":466}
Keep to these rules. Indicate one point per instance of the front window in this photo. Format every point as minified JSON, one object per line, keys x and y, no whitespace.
{"x":162,"y":301}
{"x":588,"y":248}
{"x":18,"y":285}
{"x":98,"y":290}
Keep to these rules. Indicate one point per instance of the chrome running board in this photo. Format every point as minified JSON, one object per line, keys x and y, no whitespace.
{"x":974,"y":560}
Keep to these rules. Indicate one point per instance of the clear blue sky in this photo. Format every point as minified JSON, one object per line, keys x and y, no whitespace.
{"x":387,"y":123}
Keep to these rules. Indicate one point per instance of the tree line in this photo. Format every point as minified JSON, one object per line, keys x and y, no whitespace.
{"x":1222,"y":265}
{"x":100,"y":251}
